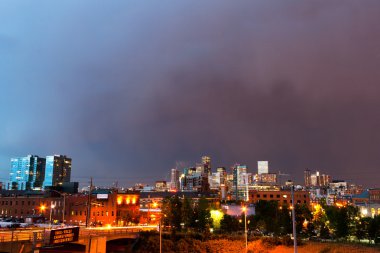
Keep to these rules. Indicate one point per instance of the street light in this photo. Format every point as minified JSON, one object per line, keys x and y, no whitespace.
{"x":52,"y":206}
{"x":244,"y":209}
{"x":64,"y":203}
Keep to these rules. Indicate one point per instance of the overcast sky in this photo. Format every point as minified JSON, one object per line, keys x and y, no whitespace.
{"x":128,"y":89}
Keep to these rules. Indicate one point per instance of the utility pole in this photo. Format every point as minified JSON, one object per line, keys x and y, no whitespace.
{"x":88,"y":219}
{"x":160,"y":234}
{"x":294,"y":221}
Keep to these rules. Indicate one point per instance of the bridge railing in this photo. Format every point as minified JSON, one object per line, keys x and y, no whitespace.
{"x":43,"y":235}
{"x":113,"y":231}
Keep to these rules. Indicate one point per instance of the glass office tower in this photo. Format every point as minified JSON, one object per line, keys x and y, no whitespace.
{"x":57,"y":170}
{"x":26,"y":173}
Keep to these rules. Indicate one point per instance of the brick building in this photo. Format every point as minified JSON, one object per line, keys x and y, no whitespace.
{"x":106,"y":208}
{"x":282,"y":197}
{"x":17,"y":204}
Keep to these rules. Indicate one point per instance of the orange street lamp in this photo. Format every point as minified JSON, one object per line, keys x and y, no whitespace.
{"x":52,"y":206}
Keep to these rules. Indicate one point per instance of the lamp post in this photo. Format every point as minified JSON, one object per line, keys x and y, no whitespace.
{"x":244,"y":209}
{"x":64,"y":203}
{"x":294,"y":221}
{"x":52,"y":206}
{"x":160,"y":235}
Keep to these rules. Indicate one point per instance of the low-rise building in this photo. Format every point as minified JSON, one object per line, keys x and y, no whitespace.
{"x":283,"y":197}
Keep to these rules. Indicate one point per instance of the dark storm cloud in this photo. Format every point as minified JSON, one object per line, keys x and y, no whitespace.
{"x":131,"y":89}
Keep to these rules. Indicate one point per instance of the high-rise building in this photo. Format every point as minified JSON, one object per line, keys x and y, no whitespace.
{"x":216,"y":179}
{"x":317,"y":179}
{"x":174,"y":180}
{"x":240,"y":181}
{"x":57,"y":170}
{"x":196,"y":182}
{"x":262,"y":167}
{"x":26,"y":173}
{"x":307,"y":178}
{"x":206,"y":162}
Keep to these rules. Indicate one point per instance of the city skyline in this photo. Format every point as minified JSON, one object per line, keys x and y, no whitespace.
{"x":130,"y":89}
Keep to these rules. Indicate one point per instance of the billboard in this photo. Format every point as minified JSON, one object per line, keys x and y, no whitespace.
{"x":102,"y":196}
{"x":65,"y":235}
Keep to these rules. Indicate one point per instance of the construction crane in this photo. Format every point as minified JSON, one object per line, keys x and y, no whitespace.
{"x":280,"y":175}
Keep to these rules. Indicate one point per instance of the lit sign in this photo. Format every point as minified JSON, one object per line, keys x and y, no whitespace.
{"x":102,"y":196}
{"x":65,"y":235}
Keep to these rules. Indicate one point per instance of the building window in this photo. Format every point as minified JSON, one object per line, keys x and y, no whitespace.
{"x":80,"y":213}
{"x":278,"y":196}
{"x":258,"y":195}
{"x":16,"y":203}
{"x":264,"y":195}
{"x":271,"y":196}
{"x":285,"y":201}
{"x":29,"y":203}
{"x":112,"y":213}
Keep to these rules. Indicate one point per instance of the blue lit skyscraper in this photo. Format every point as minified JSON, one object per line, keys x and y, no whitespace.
{"x":26,"y":173}
{"x":57,"y":170}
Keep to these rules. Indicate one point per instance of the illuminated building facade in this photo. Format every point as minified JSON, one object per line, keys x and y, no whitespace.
{"x":282,"y":197}
{"x":27,"y":173}
{"x":206,"y":162}
{"x":160,"y":186}
{"x":267,"y":178}
{"x":57,"y":170}
{"x":174,"y":180}
{"x":262,"y":167}
{"x":307,"y":178}
{"x":316,"y":179}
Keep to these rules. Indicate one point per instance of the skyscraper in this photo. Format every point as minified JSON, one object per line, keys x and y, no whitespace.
{"x":174,"y":180}
{"x":240,"y":180}
{"x":26,"y":173}
{"x":57,"y":170}
{"x":307,"y":178}
{"x":262,"y":167}
{"x":206,"y":162}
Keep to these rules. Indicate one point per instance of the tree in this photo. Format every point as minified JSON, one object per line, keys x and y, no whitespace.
{"x":267,"y":211}
{"x":175,"y":216}
{"x":172,"y":213}
{"x":187,"y":214}
{"x":361,"y":231}
{"x":229,"y":224}
{"x":338,"y":220}
{"x":203,"y":218}
{"x":302,"y":213}
{"x":374,"y":229}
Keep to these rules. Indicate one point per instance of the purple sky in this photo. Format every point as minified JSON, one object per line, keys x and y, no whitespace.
{"x":129,"y":88}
